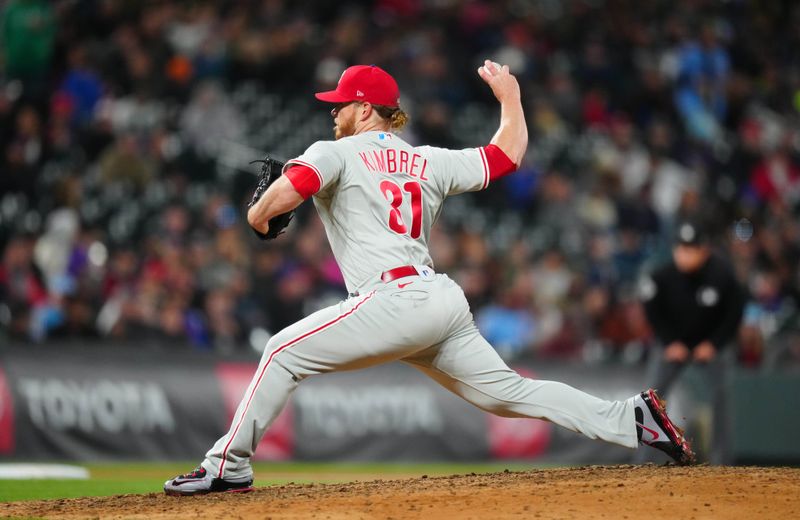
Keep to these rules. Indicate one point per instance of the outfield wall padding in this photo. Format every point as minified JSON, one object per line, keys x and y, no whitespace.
{"x":128,"y":404}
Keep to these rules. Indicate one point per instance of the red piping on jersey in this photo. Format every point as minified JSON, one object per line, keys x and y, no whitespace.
{"x":266,"y":365}
{"x":305,"y":180}
{"x":500,"y":164}
{"x":486,"y":173}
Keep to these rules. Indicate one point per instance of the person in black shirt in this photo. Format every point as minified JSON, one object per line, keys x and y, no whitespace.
{"x":694,"y":305}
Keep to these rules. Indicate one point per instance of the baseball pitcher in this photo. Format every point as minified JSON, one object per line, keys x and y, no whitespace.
{"x":378,"y":197}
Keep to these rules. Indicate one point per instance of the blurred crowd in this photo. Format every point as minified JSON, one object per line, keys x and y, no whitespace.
{"x":126,"y":129}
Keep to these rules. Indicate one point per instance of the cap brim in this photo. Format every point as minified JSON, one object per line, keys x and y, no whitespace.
{"x":331,"y":96}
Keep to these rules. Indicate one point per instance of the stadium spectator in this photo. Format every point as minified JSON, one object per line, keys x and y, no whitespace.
{"x":700,"y":94}
{"x":24,"y":154}
{"x":27,"y":35}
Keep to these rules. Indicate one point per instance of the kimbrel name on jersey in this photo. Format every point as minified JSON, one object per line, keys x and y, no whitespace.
{"x":391,"y":160}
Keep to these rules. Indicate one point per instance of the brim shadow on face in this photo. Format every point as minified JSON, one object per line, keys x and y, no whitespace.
{"x":344,"y":126}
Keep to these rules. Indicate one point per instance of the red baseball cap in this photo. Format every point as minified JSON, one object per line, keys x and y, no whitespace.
{"x":364,"y":83}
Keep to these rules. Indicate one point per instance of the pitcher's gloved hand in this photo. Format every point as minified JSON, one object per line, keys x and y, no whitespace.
{"x":271,"y":169}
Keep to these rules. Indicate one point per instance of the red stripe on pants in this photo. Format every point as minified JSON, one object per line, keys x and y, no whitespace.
{"x":264,"y":370}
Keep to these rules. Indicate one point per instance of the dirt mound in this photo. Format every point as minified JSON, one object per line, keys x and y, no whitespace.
{"x":633,"y":492}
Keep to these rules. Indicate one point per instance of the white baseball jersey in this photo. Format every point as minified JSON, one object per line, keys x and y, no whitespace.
{"x":379,"y":197}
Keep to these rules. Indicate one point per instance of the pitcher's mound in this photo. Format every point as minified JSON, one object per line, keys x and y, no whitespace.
{"x":615,"y":492}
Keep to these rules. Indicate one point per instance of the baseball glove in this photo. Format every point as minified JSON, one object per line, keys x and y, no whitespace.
{"x":271,"y":169}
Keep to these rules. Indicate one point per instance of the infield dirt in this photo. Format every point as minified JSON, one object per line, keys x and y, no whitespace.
{"x":616,"y":492}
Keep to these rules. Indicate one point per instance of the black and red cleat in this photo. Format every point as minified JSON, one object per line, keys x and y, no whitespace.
{"x":200,"y":482}
{"x":655,"y":429}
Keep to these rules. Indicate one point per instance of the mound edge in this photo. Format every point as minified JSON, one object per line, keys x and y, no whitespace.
{"x":587,"y":492}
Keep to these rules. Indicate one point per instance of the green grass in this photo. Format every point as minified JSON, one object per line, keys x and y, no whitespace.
{"x":118,"y":479}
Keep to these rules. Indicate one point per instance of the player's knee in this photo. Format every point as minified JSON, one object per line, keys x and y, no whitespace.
{"x":271,"y":348}
{"x":273,"y":353}
{"x":503,"y":411}
{"x":287,"y":361}
{"x":501,"y":408}
{"x":493,"y":405}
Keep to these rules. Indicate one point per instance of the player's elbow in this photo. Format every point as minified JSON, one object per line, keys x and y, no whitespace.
{"x":514,"y":146}
{"x":516,"y":153}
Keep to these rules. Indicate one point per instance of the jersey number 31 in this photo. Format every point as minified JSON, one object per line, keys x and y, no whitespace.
{"x":394,"y":196}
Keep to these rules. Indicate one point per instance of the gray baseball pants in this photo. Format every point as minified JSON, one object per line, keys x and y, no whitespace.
{"x":424,"y":321}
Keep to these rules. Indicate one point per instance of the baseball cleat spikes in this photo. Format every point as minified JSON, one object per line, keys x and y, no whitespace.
{"x":199,"y":482}
{"x":655,"y":429}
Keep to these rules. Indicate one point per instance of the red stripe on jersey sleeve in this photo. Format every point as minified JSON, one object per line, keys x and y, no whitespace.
{"x":485,"y":164}
{"x":499,"y":163}
{"x":304,"y":179}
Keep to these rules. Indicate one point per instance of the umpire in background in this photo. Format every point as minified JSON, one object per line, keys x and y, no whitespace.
{"x":694,"y":305}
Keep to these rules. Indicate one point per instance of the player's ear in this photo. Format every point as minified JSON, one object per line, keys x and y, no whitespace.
{"x":366,"y":110}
